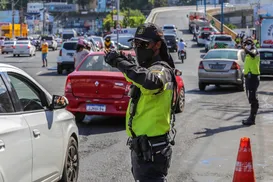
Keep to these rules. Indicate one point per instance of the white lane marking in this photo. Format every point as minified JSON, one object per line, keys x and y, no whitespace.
{"x":38,"y":73}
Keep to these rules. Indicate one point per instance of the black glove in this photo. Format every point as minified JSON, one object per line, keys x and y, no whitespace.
{"x":111,"y":58}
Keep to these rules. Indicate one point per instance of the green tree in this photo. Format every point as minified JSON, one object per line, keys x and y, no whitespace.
{"x":3,"y":4}
{"x":159,"y":3}
{"x":132,"y":18}
{"x":231,"y":26}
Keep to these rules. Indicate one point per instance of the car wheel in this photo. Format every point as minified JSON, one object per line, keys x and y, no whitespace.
{"x":202,"y":86}
{"x":30,"y":55}
{"x":79,"y":117}
{"x":59,"y":70}
{"x":71,"y":164}
{"x":206,"y":49}
{"x":181,"y":101}
{"x":14,"y":55}
{"x":241,"y":87}
{"x":3,"y":52}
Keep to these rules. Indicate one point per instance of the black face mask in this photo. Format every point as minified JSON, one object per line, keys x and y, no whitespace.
{"x":144,"y":56}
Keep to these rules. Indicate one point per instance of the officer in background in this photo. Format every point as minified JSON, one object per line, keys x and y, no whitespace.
{"x":108,"y":43}
{"x":252,"y":79}
{"x":149,"y":118}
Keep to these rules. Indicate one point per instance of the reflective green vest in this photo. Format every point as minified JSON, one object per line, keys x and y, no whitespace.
{"x":237,"y":40}
{"x":153,"y":112}
{"x":252,"y":65}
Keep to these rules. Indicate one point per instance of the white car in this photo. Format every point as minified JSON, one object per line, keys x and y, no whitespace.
{"x":220,"y":41}
{"x":59,"y":42}
{"x":38,"y":136}
{"x":24,"y":47}
{"x":169,"y":28}
{"x":8,"y":46}
{"x":65,"y":60}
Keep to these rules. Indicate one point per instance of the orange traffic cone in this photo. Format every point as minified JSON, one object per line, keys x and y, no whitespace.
{"x":244,"y":171}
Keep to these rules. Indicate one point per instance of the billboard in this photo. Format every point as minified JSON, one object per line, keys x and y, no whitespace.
{"x":6,"y":16}
{"x":267,"y":33}
{"x":60,"y":7}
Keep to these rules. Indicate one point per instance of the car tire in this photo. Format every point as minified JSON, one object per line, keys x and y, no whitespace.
{"x":3,"y":52}
{"x":206,"y":49}
{"x":14,"y":55}
{"x":72,"y":149}
{"x":241,"y":87}
{"x":79,"y":117}
{"x":202,"y":86}
{"x":181,"y":101}
{"x":59,"y":70}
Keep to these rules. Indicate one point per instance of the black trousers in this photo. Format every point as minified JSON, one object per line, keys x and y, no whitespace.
{"x":252,"y":84}
{"x":155,"y":171}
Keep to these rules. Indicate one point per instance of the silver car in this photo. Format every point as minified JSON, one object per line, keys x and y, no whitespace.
{"x":38,"y":136}
{"x":222,"y":67}
{"x":24,"y":47}
{"x":8,"y":47}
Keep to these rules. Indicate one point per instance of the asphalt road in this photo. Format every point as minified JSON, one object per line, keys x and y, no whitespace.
{"x":209,"y":130}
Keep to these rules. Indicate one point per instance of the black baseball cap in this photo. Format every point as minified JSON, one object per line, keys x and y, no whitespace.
{"x":148,"y":32}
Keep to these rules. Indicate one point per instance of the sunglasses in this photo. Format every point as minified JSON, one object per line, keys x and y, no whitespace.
{"x":140,"y":44}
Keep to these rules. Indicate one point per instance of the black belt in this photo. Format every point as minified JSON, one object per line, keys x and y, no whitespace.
{"x":159,"y":140}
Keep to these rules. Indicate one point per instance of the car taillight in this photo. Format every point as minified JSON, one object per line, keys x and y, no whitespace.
{"x":60,"y":53}
{"x":201,"y":66}
{"x":28,"y":47}
{"x":68,"y":86}
{"x":235,"y":66}
{"x":200,"y":37}
{"x":215,"y":46}
{"x":127,"y":88}
{"x":13,"y":47}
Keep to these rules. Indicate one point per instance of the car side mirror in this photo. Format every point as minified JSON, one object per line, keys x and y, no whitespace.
{"x":177,"y":72}
{"x":202,"y":56}
{"x":58,"y":102}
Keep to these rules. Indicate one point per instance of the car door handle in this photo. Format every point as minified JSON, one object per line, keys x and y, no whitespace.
{"x":36,"y":133}
{"x":2,"y":146}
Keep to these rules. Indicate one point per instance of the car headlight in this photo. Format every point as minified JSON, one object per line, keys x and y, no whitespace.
{"x":265,"y":62}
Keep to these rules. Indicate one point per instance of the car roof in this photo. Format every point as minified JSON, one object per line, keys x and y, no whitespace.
{"x":213,"y":50}
{"x":265,"y":49}
{"x":170,"y":34}
{"x":69,"y":41}
{"x":218,"y":35}
{"x":168,"y":25}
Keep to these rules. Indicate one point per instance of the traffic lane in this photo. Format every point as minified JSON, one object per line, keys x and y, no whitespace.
{"x":210,"y":128}
{"x":47,"y":77}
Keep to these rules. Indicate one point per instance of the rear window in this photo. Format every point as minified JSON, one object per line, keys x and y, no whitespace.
{"x":123,"y":40}
{"x":22,"y":38}
{"x":222,"y":54}
{"x":9,"y":42}
{"x":47,"y":38}
{"x":68,"y":36}
{"x":223,"y":38}
{"x":168,"y":27}
{"x":96,"y":63}
{"x":70,"y":45}
{"x":19,"y":42}
{"x":266,"y":55}
{"x":97,"y":39}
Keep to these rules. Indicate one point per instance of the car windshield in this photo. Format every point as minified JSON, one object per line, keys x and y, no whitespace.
{"x":22,"y":38}
{"x":96,"y":63}
{"x":68,"y":36}
{"x":222,"y":54}
{"x":168,"y":27}
{"x":96,"y":39}
{"x":170,"y":37}
{"x":9,"y":42}
{"x":19,"y":42}
{"x":47,"y":38}
{"x":223,"y":38}
{"x":266,"y":55}
{"x":70,"y":45}
{"x":123,"y":40}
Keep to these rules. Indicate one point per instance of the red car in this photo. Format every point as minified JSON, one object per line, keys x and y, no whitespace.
{"x":95,"y":88}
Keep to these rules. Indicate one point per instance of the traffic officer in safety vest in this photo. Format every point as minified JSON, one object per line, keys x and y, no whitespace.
{"x":149,"y":115}
{"x":252,"y":79}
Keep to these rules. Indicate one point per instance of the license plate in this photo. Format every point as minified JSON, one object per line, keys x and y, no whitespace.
{"x":70,"y":54}
{"x":217,"y":66}
{"x":169,"y":46}
{"x":21,"y":52}
{"x":95,"y":107}
{"x":182,"y":54}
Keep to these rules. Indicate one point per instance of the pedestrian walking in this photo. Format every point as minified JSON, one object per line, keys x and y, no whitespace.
{"x":81,"y":52}
{"x":149,"y":116}
{"x":252,"y":79}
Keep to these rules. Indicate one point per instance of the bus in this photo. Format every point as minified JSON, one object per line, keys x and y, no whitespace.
{"x":6,"y":30}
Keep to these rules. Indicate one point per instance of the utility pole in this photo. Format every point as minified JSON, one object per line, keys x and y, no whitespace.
{"x":13,"y":14}
{"x":21,"y":19}
{"x":196,"y":5}
{"x":118,"y":22}
{"x":44,"y":17}
{"x":222,"y":16}
{"x":205,"y":7}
